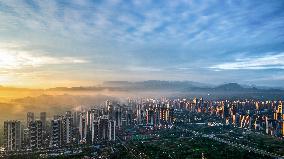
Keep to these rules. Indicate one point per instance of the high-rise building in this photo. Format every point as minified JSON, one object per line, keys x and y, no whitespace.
{"x":138,"y":113}
{"x":76,"y":118}
{"x":68,"y":114}
{"x":36,"y":134}
{"x":103,"y":127}
{"x":108,"y":103}
{"x":56,"y":129}
{"x":118,"y":116}
{"x":12,"y":135}
{"x":282,"y":128}
{"x":25,"y":138}
{"x":266,"y":125}
{"x":95,"y":131}
{"x":128,"y":117}
{"x":150,"y":117}
{"x":280,"y":110}
{"x":92,"y":115}
{"x":83,"y":127}
{"x":43,"y":120}
{"x":111,"y":130}
{"x":30,"y":118}
{"x":164,"y":114}
{"x":67,"y":132}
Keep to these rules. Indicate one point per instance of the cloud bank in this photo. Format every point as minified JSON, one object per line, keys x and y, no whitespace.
{"x":130,"y":40}
{"x":269,"y":61}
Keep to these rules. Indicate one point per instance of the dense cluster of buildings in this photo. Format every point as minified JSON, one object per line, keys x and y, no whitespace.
{"x":265,"y":116}
{"x":102,"y":124}
{"x":72,"y":128}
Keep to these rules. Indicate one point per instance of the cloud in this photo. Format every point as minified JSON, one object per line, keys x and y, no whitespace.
{"x":141,"y":37}
{"x":143,"y":69}
{"x":268,"y":61}
{"x":187,"y":22}
{"x":17,"y":60}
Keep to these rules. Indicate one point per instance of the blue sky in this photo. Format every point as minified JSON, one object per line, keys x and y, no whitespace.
{"x":55,"y":43}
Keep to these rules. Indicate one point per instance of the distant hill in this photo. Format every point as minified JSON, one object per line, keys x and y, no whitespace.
{"x":189,"y":88}
{"x":81,"y":88}
{"x":230,"y":87}
{"x":178,"y":88}
{"x":156,"y":84}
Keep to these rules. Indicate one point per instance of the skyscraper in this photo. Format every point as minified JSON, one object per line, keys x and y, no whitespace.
{"x":83,"y":127}
{"x":76,"y":118}
{"x":43,"y":120}
{"x":12,"y":135}
{"x":111,"y":130}
{"x":36,"y":134}
{"x":95,"y":131}
{"x":56,"y":128}
{"x":67,"y":132}
{"x":30,"y":118}
{"x":91,"y":115}
{"x":280,"y":110}
{"x":103,"y":127}
{"x":118,"y":116}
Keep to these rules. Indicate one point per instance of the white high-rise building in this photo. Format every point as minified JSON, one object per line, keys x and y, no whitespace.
{"x":30,"y":118}
{"x":111,"y":130}
{"x":95,"y":131}
{"x":36,"y":135}
{"x":83,"y":127}
{"x":12,"y":135}
{"x":56,"y":130}
{"x":67,"y":132}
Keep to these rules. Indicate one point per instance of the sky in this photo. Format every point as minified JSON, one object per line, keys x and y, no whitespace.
{"x":48,"y":43}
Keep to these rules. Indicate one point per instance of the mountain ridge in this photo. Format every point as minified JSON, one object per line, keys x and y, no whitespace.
{"x":153,"y":85}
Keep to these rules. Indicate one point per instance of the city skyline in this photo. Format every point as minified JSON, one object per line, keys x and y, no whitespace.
{"x":83,"y":43}
{"x":247,"y":127}
{"x":142,"y":79}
